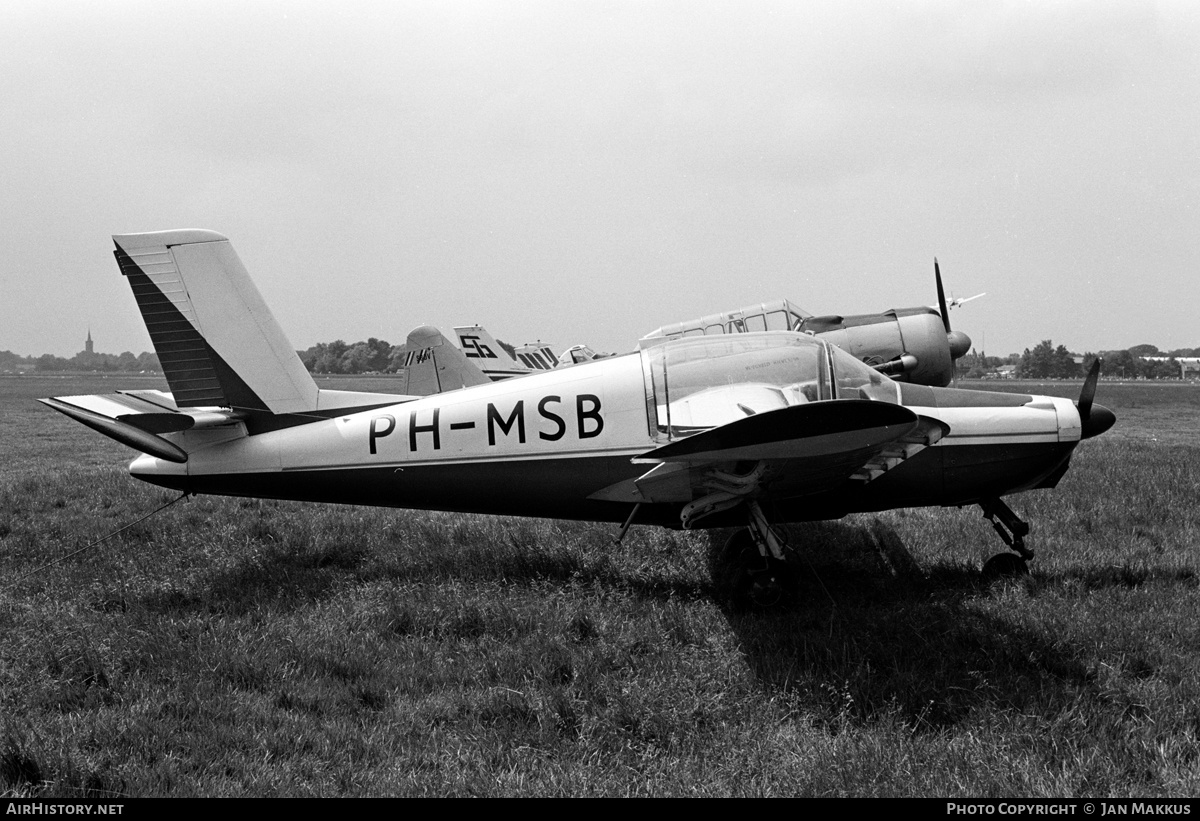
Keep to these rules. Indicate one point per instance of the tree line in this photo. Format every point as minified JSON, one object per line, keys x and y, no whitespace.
{"x":125,"y":362}
{"x":1043,"y":361}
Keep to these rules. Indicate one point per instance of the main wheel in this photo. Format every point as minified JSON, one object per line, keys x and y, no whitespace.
{"x":746,"y":579}
{"x":1004,"y":566}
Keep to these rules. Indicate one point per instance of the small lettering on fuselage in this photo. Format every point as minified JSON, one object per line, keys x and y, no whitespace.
{"x":503,"y":423}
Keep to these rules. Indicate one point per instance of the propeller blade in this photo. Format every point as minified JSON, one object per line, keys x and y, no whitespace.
{"x":1088,"y":394}
{"x":937,"y":275}
{"x":959,"y":342}
{"x":1094,"y":419}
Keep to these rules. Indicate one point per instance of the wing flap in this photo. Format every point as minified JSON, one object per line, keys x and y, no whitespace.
{"x":665,"y":482}
{"x":928,"y":432}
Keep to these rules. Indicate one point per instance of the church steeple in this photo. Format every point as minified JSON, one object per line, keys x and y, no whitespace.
{"x":87,"y":346}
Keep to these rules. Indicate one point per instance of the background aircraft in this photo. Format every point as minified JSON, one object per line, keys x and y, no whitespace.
{"x":909,"y":344}
{"x":484,"y":352}
{"x":737,"y":429}
{"x":432,"y":364}
{"x":479,"y":345}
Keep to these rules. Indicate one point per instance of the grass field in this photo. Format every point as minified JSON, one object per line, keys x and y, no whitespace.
{"x":238,"y":647}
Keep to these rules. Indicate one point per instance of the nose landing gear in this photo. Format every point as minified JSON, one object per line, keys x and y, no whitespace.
{"x":1012,"y":531}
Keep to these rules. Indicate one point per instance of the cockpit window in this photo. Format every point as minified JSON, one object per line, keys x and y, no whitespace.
{"x":778,"y":321}
{"x":699,"y":383}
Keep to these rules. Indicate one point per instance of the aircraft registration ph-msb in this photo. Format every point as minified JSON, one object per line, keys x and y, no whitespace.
{"x":739,"y":429}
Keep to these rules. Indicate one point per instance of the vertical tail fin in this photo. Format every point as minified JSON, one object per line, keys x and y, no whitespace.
{"x":215,"y":337}
{"x":538,"y":356}
{"x":481,"y":347}
{"x":433,"y":365}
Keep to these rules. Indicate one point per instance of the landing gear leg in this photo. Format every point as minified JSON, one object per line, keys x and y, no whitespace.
{"x":1012,"y":531}
{"x":750,"y":571}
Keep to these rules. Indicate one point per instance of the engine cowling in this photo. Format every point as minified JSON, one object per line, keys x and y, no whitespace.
{"x":911,"y":343}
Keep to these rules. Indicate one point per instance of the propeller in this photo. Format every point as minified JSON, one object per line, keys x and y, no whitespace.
{"x":959,"y":342}
{"x":937,"y":275}
{"x":1088,"y":394}
{"x":1095,"y":419}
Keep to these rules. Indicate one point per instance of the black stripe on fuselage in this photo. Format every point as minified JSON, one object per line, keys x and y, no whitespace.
{"x":558,"y":488}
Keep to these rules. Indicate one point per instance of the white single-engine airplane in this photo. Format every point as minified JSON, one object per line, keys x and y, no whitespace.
{"x":713,"y":431}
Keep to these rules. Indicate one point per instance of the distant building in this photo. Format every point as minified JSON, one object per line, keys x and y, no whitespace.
{"x":1185,"y":363}
{"x":87,"y":346}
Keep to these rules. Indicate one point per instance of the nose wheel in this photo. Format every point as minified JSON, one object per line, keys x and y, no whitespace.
{"x":1004,"y":566}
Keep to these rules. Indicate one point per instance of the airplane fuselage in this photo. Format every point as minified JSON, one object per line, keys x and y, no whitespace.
{"x":555,"y":444}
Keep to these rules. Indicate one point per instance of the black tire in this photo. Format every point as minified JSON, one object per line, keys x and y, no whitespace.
{"x":1004,"y":566}
{"x":746,"y":580}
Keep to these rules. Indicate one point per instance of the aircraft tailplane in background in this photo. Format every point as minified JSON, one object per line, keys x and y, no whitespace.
{"x":431,"y":364}
{"x":483,"y":350}
{"x":481,"y":347}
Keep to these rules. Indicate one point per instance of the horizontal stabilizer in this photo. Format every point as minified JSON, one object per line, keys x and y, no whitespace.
{"x":798,"y":432}
{"x":120,"y":429}
{"x":139,"y":418}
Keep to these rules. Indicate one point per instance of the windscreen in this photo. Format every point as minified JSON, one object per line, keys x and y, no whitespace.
{"x":857,"y":380}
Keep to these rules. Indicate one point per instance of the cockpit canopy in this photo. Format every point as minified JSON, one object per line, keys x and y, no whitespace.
{"x":698,"y":383}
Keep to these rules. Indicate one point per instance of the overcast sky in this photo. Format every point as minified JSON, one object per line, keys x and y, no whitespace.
{"x":587,"y":171}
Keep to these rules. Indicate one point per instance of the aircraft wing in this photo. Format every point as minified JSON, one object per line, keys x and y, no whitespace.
{"x":798,"y":450}
{"x":808,"y":431}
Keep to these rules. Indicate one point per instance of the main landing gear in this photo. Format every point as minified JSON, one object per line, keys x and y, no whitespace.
{"x":750,"y":570}
{"x":1012,"y":531}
